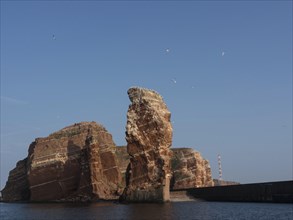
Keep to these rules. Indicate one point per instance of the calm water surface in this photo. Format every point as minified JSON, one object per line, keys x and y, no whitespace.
{"x":174,"y":210}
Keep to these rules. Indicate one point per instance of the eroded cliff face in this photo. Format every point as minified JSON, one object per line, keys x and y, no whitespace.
{"x":149,"y":137}
{"x":189,"y":169}
{"x":77,"y":163}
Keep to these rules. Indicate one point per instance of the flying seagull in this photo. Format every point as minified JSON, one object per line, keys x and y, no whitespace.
{"x":54,"y":38}
{"x":223,"y":53}
{"x":167,"y":50}
{"x":174,"y":81}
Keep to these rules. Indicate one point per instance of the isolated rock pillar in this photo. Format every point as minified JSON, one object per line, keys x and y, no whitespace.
{"x":149,"y":137}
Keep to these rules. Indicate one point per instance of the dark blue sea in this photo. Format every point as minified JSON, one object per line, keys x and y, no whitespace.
{"x":173,"y":210}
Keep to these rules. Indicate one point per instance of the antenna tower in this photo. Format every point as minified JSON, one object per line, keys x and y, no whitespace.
{"x":220,"y":167}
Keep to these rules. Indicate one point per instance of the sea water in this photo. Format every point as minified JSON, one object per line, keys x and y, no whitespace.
{"x":172,"y":210}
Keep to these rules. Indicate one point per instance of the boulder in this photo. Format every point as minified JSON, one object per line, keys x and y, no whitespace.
{"x":149,"y":137}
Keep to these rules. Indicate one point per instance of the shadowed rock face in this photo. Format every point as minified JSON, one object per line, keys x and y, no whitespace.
{"x":149,"y":137}
{"x":17,"y":188}
{"x":77,"y":163}
{"x":123,"y":159}
{"x":189,"y":169}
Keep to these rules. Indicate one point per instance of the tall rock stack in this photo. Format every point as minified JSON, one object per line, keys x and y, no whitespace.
{"x":149,"y":137}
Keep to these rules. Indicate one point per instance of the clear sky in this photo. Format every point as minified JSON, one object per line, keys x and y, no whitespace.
{"x":66,"y":62}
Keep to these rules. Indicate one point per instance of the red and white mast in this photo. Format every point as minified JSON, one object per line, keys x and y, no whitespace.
{"x":220,"y":167}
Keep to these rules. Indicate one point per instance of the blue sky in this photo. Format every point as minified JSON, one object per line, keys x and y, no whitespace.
{"x":232,"y":62}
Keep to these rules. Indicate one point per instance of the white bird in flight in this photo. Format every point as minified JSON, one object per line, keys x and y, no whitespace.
{"x":167,"y":50}
{"x":174,"y":81}
{"x":223,"y":53}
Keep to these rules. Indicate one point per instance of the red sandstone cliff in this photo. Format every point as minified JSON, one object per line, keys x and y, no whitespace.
{"x":149,"y":137}
{"x":77,"y":163}
{"x":189,"y":169}
{"x":81,"y":162}
{"x":17,"y":187}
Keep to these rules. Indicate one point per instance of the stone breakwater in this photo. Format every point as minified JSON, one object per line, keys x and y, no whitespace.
{"x":273,"y":192}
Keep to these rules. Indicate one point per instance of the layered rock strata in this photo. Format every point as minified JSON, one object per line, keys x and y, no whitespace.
{"x":189,"y":169}
{"x":149,"y":137}
{"x":77,"y":163}
{"x":17,"y":187}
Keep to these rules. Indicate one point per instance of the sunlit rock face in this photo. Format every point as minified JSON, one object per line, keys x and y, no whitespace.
{"x":149,"y":137}
{"x":189,"y":169}
{"x":77,"y":163}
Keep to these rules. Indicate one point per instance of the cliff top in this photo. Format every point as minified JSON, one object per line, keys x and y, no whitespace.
{"x":135,"y":88}
{"x":77,"y":128}
{"x":136,"y":94}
